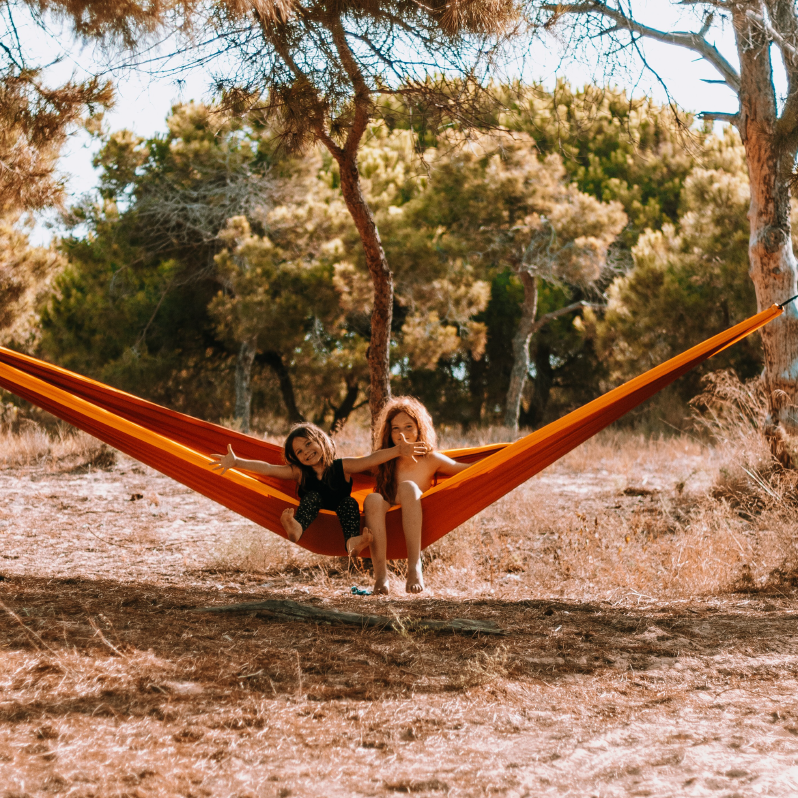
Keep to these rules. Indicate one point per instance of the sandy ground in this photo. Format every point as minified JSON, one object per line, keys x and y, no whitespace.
{"x":111,"y":686}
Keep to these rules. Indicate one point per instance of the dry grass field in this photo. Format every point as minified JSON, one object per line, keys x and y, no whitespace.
{"x":646,"y":589}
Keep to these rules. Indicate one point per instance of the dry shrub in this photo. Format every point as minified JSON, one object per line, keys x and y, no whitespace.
{"x":628,"y":516}
{"x":735,"y":414}
{"x":259,"y":551}
{"x":63,"y":450}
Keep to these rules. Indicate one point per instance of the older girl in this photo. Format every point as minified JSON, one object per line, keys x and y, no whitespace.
{"x":401,"y":480}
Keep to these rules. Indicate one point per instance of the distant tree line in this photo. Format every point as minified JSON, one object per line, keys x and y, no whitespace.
{"x":575,"y":239}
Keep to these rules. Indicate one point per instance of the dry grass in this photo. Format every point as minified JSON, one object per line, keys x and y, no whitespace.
{"x":632,"y":664}
{"x":63,"y":449}
{"x":623,"y":515}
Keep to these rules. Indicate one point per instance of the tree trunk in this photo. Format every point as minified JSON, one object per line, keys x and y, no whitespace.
{"x":274,"y":361}
{"x":476,"y":383}
{"x":346,"y":158}
{"x":521,"y":339}
{"x":544,"y":380}
{"x":772,"y":261}
{"x":244,"y":360}
{"x":381,"y":278}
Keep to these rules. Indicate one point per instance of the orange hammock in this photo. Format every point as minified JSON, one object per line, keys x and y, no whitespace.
{"x":180,"y":446}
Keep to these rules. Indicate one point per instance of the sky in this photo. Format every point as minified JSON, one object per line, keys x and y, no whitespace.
{"x":144,"y":99}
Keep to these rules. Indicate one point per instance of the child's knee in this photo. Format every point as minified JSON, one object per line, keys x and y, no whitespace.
{"x":373,"y":502}
{"x":406,"y":491}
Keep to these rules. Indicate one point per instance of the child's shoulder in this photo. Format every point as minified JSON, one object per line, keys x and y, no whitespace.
{"x":437,"y":457}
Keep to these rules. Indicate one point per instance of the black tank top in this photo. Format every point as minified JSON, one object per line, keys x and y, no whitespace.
{"x":333,"y":489}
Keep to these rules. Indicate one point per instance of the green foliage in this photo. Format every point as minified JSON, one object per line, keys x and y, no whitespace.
{"x":614,"y":147}
{"x":689,"y":279}
{"x":209,"y":236}
{"x":26,"y":277}
{"x":123,"y":325}
{"x":132,"y":309}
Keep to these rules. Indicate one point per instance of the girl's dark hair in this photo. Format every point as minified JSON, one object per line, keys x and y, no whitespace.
{"x":386,"y":472}
{"x":315,"y":435}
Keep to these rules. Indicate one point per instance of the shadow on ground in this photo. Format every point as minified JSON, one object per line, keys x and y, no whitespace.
{"x":180,"y":653}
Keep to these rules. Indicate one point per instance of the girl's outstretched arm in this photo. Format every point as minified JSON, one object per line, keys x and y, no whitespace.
{"x":223,"y":462}
{"x":445,"y":465}
{"x":354,"y":465}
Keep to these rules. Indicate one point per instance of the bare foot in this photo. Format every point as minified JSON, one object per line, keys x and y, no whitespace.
{"x":291,"y":526}
{"x":382,"y":586}
{"x":355,"y":545}
{"x":415,"y":580}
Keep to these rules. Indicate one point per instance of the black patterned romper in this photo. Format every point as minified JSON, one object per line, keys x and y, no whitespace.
{"x":333,"y":492}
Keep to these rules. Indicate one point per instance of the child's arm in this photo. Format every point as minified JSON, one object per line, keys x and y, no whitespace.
{"x":354,"y":465}
{"x":445,"y":465}
{"x":223,"y":462}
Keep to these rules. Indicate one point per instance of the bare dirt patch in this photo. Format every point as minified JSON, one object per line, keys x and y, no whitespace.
{"x":630,"y":666}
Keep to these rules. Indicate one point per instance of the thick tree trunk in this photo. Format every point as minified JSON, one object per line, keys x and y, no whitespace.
{"x":772,"y":261}
{"x":521,"y":339}
{"x":244,"y":360}
{"x":275,"y":362}
{"x":381,"y":278}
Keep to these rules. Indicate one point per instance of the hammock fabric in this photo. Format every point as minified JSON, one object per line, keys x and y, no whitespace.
{"x":180,"y":446}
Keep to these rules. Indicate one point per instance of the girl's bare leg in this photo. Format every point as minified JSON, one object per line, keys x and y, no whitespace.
{"x":374,"y":508}
{"x":408,"y":494}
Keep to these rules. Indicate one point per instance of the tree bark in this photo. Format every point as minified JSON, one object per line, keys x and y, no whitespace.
{"x":476,"y":383}
{"x":771,"y":158}
{"x":275,"y":362}
{"x":352,"y":190}
{"x":243,"y":407}
{"x":521,"y":339}
{"x":382,"y":281}
{"x":544,"y":380}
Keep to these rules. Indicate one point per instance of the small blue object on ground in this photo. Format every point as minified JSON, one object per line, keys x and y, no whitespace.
{"x":360,"y":591}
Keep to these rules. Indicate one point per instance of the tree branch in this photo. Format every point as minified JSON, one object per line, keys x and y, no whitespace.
{"x":285,"y":610}
{"x":781,"y":26}
{"x":362,"y":93}
{"x":789,"y":52}
{"x":282,"y":50}
{"x":719,"y":116}
{"x":691,"y":41}
{"x":555,"y":314}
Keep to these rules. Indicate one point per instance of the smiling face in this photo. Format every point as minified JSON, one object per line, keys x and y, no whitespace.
{"x":402,"y":424}
{"x":308,"y":452}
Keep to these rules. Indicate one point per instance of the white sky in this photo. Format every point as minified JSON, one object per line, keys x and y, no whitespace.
{"x":144,"y":100}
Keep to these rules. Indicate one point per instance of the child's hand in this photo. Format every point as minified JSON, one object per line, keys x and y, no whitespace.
{"x":412,"y":450}
{"x":222,"y":462}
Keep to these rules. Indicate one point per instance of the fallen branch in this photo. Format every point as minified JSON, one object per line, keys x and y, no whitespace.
{"x":292,"y":610}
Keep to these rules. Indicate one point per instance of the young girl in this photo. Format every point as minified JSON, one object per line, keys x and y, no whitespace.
{"x":324,"y":482}
{"x":401,"y":480}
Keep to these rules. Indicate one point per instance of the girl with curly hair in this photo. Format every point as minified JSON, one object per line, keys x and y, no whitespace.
{"x":325,"y":483}
{"x":402,"y":480}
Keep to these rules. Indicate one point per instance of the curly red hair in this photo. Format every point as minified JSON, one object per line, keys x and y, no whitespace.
{"x":386,"y":472}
